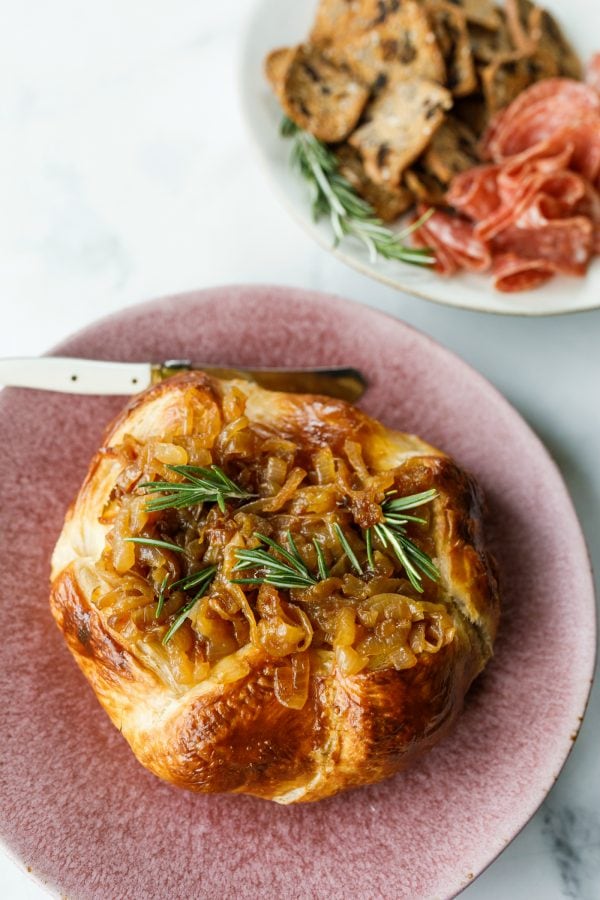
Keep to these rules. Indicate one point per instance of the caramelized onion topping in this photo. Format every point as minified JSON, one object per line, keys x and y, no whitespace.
{"x":348,"y":622}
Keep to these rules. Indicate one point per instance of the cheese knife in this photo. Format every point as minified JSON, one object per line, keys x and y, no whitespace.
{"x":87,"y":376}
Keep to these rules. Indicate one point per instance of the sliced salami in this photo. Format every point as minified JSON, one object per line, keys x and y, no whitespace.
{"x":445,"y":264}
{"x":513,"y":274}
{"x":564,"y":244}
{"x":457,"y":237}
{"x":475,"y":193}
{"x":533,"y":210}
{"x":557,"y":102}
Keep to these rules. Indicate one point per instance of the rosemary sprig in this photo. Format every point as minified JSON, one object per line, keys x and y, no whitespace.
{"x":348,"y":549}
{"x":291,"y":572}
{"x":350,"y":215}
{"x":202,"y":580}
{"x":392,"y":533}
{"x":202,"y":485}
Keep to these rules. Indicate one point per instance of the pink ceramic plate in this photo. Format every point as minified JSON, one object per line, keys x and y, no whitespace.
{"x":76,"y":806}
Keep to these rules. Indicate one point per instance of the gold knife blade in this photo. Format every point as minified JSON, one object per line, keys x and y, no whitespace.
{"x":344,"y":383}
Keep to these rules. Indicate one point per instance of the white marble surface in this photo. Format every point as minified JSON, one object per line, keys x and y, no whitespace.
{"x":125,"y":173}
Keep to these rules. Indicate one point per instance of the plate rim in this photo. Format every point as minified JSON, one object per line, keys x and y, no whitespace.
{"x":244,"y":90}
{"x":584,"y":681}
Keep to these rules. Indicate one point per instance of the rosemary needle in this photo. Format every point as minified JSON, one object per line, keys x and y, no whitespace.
{"x":369,"y":543}
{"x":321,"y":564}
{"x":350,"y":215}
{"x":152,"y":542}
{"x":161,"y":597}
{"x":348,"y":549}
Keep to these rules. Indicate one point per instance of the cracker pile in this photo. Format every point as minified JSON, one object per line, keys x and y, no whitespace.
{"x":403,"y":89}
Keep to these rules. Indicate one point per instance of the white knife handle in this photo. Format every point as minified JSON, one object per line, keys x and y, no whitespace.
{"x":76,"y":376}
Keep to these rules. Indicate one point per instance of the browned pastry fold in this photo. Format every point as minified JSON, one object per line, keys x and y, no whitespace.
{"x":220,"y":726}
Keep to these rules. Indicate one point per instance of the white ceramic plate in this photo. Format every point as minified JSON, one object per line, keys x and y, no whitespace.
{"x":276,"y":23}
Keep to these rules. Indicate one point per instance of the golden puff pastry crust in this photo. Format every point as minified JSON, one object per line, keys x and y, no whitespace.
{"x":291,"y":695}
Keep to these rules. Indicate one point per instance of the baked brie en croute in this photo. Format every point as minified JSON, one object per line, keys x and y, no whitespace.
{"x":271,"y":593}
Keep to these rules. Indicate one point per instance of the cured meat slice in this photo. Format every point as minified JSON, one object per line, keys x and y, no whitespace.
{"x":481,"y":192}
{"x":565,"y":244}
{"x":547,"y":156}
{"x":475,"y":193}
{"x":552,"y":196}
{"x":533,"y":128}
{"x":533,"y":210}
{"x":513,"y":274}
{"x":550,"y":104}
{"x":456,"y":235}
{"x":534,"y":201}
{"x":575,"y":94}
{"x":444,"y":263}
